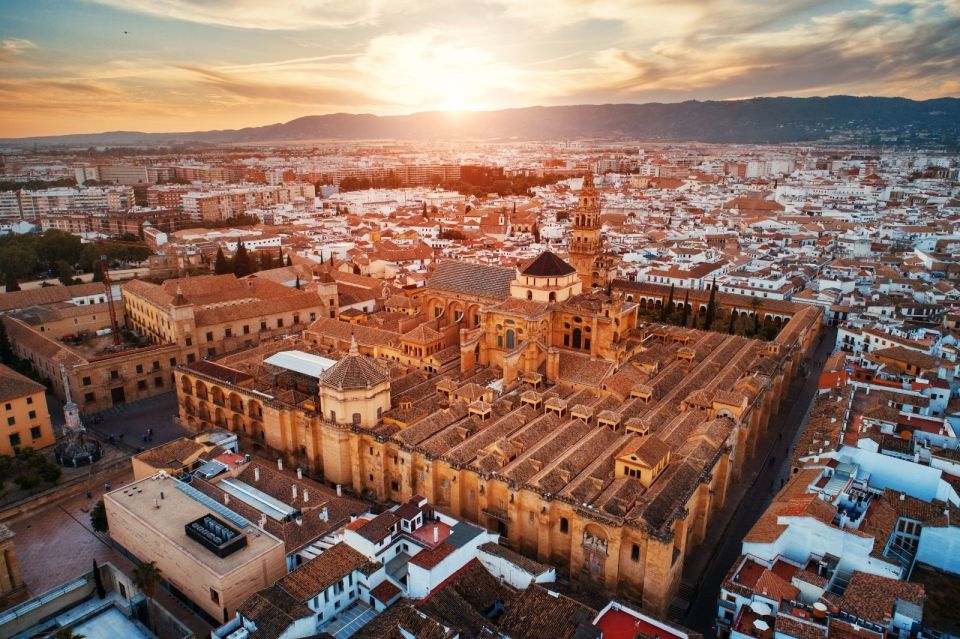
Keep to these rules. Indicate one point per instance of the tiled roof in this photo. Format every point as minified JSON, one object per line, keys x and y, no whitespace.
{"x":323,"y":571}
{"x":13,"y":385}
{"x":472,"y":279}
{"x":354,"y":371}
{"x":872,"y":597}
{"x":540,"y":614}
{"x":547,"y":264}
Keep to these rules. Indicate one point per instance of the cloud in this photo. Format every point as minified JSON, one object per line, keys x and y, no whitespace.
{"x":13,"y":48}
{"x":258,"y":14}
{"x":309,"y":93}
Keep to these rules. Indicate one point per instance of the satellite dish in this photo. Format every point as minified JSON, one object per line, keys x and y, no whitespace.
{"x":820,"y":606}
{"x":761,"y":625}
{"x":761,"y":608}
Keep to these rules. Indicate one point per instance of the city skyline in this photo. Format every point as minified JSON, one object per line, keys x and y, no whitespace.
{"x":180,"y":65}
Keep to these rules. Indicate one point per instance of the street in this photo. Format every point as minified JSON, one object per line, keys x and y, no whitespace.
{"x":749,"y":498}
{"x":129,"y":422}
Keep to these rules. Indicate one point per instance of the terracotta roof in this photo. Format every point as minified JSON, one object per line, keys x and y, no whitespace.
{"x":872,"y":597}
{"x":13,"y":385}
{"x":323,"y":571}
{"x":547,"y":264}
{"x":472,"y":279}
{"x":354,"y":371}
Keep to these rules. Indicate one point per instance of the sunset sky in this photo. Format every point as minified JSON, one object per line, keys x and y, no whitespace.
{"x":181,"y":65}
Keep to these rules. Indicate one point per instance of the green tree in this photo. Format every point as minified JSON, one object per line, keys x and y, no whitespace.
{"x":666,"y":309}
{"x":221,"y":266}
{"x":266,"y":261}
{"x":289,"y":262}
{"x":98,"y":580}
{"x":64,"y":272}
{"x":97,"y":271}
{"x":68,"y":633}
{"x":18,"y":260}
{"x":11,"y":281}
{"x":7,"y":356}
{"x":685,"y":311}
{"x":146,"y":577}
{"x":241,"y":261}
{"x":755,"y":305}
{"x":98,"y":517}
{"x":711,"y":313}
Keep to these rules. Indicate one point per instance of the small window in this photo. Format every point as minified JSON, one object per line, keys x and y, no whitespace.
{"x":15,"y":440}
{"x":173,"y":361}
{"x":142,"y":384}
{"x":228,"y":332}
{"x":279,"y":322}
{"x":209,"y":336}
{"x":189,"y":341}
{"x":114,"y":374}
{"x":89,"y":398}
{"x":29,"y":400}
{"x":564,"y":525}
{"x":635,"y":553}
{"x":35,"y":433}
{"x":394,"y":485}
{"x":8,"y":406}
{"x":139,"y":368}
{"x":214,"y":596}
{"x":156,"y":366}
{"x":263,"y":326}
{"x":246,"y":329}
{"x":158,"y":382}
{"x":32,"y":414}
{"x":11,"y":421}
{"x":191,"y":358}
{"x":356,"y":419}
{"x":211,"y":352}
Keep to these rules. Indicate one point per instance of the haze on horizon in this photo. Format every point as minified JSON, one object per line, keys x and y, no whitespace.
{"x":181,"y":65}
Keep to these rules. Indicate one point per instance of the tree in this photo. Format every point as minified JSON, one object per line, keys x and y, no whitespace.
{"x":68,"y":633}
{"x":289,"y":262}
{"x":667,"y":308}
{"x":12,"y":284}
{"x":146,"y":576}
{"x":755,"y":305}
{"x":64,"y":272}
{"x":221,"y":266}
{"x":98,"y":517}
{"x":711,"y":306}
{"x":685,"y":312}
{"x":241,"y":261}
{"x":97,"y":271}
{"x":98,"y":580}
{"x":7,"y":356}
{"x":266,"y":261}
{"x":733,"y":318}
{"x":297,"y":285}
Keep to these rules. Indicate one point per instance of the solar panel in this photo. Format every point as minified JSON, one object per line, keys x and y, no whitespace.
{"x":213,"y":505}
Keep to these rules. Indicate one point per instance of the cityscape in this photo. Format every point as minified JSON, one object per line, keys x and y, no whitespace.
{"x":321,"y":321}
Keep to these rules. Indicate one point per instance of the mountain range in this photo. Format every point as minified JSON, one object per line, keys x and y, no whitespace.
{"x":757,"y":120}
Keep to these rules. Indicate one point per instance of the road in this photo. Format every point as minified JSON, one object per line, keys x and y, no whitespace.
{"x":749,"y":497}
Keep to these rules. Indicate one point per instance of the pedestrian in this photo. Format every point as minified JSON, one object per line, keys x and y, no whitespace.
{"x":89,"y":495}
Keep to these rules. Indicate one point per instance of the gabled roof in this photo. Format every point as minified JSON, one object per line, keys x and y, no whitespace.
{"x":472,"y":279}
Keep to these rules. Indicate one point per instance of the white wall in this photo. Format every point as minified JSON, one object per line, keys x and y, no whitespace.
{"x":940,"y":547}
{"x":512,"y":573}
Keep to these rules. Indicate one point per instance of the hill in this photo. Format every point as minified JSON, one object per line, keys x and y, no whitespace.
{"x":758,"y":120}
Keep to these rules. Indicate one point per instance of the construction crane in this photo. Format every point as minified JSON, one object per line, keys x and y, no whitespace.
{"x":105,"y":267}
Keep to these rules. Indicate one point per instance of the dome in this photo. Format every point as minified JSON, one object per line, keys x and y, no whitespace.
{"x":547,"y":264}
{"x":354,"y":371}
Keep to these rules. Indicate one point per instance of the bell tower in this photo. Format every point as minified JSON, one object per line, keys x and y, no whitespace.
{"x":586,"y":243}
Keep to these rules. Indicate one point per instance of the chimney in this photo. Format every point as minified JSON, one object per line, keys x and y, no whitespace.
{"x":279,"y":463}
{"x":436,"y":533}
{"x":299,"y":473}
{"x":324,"y":514}
{"x":294,"y":489}
{"x":256,"y":474}
{"x":339,"y":491}
{"x":226,"y":499}
{"x":306,"y":496}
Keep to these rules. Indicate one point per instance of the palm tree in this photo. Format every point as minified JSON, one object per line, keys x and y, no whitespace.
{"x":67,"y":633}
{"x":146,"y":576}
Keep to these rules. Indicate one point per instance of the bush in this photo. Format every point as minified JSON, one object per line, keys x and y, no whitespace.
{"x":27,"y":482}
{"x":98,"y":517}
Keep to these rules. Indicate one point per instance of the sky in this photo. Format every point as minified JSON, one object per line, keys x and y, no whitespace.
{"x":80,"y":66}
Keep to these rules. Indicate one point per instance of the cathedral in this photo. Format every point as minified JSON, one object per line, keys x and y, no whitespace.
{"x":595,"y":267}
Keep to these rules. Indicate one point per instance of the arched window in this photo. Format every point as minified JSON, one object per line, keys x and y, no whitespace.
{"x":530,"y":295}
{"x":553,"y":296}
{"x":511,"y":338}
{"x":564,"y":525}
{"x":577,"y":338}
